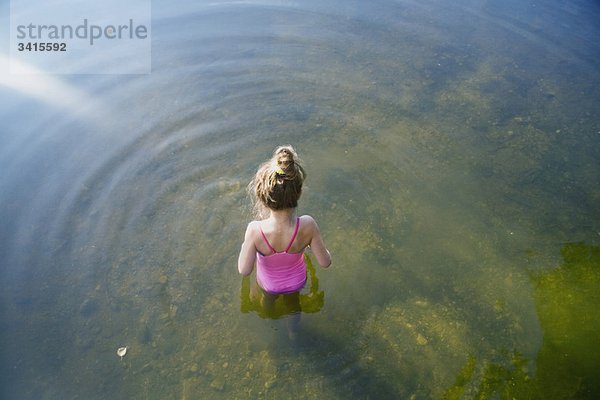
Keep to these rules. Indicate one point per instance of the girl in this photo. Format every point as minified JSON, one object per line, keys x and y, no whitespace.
{"x":277,"y":242}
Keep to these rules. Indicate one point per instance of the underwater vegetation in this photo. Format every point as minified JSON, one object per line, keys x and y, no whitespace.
{"x":567,"y":301}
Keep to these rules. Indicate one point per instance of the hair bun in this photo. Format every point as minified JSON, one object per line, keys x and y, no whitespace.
{"x":286,"y":158}
{"x":285,"y":153}
{"x":277,"y":184}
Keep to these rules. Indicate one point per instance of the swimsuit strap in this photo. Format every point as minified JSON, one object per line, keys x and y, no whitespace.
{"x":266,"y":241}
{"x":291,"y":241}
{"x":294,"y":235}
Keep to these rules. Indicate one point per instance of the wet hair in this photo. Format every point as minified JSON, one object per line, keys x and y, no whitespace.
{"x":277,"y":184}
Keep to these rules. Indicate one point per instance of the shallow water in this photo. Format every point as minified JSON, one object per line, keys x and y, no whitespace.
{"x":452,"y":158}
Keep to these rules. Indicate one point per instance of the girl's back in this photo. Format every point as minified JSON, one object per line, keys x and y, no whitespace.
{"x":276,"y":187}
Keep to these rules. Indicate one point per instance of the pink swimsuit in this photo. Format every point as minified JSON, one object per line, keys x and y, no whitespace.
{"x":281,"y":273}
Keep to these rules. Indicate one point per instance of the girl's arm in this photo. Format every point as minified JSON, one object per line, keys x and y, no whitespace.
{"x":318,"y":247}
{"x":247,"y":253}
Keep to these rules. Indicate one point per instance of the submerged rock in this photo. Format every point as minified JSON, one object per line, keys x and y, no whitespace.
{"x":419,"y":340}
{"x":217,"y":384}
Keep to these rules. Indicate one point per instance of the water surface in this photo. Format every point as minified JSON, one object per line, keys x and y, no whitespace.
{"x":452,"y":159}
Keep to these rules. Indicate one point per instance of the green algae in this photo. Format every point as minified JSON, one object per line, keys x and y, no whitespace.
{"x":567,"y":300}
{"x":464,"y":377}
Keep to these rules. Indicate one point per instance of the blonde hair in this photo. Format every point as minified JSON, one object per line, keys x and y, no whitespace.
{"x":277,"y":184}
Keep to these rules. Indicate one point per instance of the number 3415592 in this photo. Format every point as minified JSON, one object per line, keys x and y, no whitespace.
{"x":34,"y":46}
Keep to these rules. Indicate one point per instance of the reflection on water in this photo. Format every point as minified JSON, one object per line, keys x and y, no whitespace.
{"x":451,"y":150}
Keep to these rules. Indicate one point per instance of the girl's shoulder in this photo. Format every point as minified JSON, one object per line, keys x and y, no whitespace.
{"x":253,"y":229}
{"x":253,"y":226}
{"x":253,"y":234}
{"x":306,"y":221}
{"x":306,"y":218}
